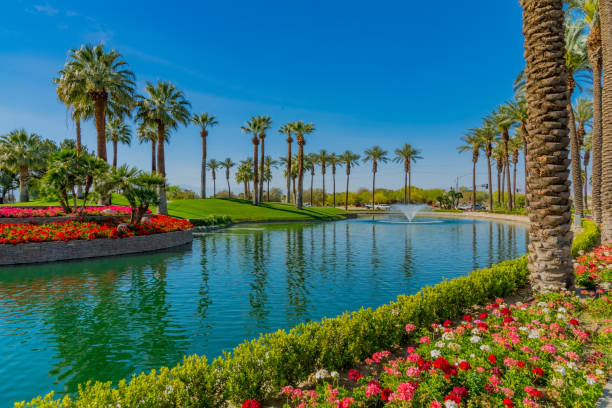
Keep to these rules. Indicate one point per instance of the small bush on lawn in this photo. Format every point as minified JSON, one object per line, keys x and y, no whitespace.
{"x":211,"y":220}
{"x":586,"y":240}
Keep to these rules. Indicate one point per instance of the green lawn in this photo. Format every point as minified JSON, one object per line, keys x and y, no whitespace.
{"x":237,"y":210}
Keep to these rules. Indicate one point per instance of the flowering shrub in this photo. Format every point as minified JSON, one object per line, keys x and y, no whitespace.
{"x":17,"y":212}
{"x":79,"y":230}
{"x":594,"y":268}
{"x":526,"y":355}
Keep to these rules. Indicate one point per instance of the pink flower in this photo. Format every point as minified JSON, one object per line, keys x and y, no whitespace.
{"x":412,"y":372}
{"x":354,"y":375}
{"x":435,"y":404}
{"x":405,"y":391}
{"x":424,"y":339}
{"x":410,"y":328}
{"x":549,"y":348}
{"x":373,"y":388}
{"x":345,"y":403}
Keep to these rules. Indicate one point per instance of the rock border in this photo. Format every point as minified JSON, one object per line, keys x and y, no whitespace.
{"x":53,"y":251}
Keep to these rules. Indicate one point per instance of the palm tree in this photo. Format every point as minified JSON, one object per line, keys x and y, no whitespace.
{"x":204,"y":121}
{"x":583,"y":113}
{"x":286,"y":130}
{"x":407,"y":155}
{"x":323,"y":159}
{"x":489,"y":135}
{"x":164,"y":107}
{"x":334,"y":161}
{"x":589,"y":9}
{"x":301,"y":129}
{"x":472,"y":143}
{"x":118,"y":132}
{"x":606,"y":150}
{"x":550,"y":262}
{"x":498,"y":155}
{"x":290,"y":173}
{"x":264,"y":123}
{"x":228,"y":164}
{"x":244,"y":174}
{"x":252,"y":127}
{"x":102,"y":79}
{"x":310,"y":164}
{"x":349,"y":159}
{"x":375,"y":155}
{"x":588,"y":141}
{"x":22,"y":153}
{"x":213,"y":165}
{"x":515,"y":146}
{"x":504,"y":120}
{"x":269,"y":163}
{"x":148,"y":133}
{"x":576,"y":61}
{"x":518,"y":109}
{"x":78,"y":104}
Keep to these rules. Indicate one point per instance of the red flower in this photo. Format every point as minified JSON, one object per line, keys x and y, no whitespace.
{"x":447,"y":323}
{"x":385,"y":394}
{"x":251,"y":404}
{"x":354,"y":375}
{"x":508,"y":403}
{"x":492,"y":358}
{"x":574,"y":322}
{"x":484,"y":315}
{"x":538,"y":371}
{"x":467,"y":318}
{"x":464,"y":365}
{"x":508,"y":319}
{"x":532,"y":391}
{"x":520,"y":363}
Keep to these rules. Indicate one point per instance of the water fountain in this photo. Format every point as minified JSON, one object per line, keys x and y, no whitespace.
{"x":410,"y":210}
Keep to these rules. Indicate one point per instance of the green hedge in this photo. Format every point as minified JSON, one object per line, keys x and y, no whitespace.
{"x":587,"y":239}
{"x":257,"y":369}
{"x":211,"y":220}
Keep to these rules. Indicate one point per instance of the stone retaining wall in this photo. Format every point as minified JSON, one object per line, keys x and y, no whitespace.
{"x":51,"y":251}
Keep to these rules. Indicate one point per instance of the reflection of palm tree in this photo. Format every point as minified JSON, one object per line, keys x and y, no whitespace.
{"x":297,"y":275}
{"x":259,"y":275}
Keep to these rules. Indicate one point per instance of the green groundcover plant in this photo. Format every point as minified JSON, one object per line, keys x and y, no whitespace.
{"x":260,"y":368}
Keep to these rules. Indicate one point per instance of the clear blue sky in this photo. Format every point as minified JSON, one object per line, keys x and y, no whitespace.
{"x":365,"y":73}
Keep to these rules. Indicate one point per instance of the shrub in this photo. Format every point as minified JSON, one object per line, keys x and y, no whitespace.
{"x":587,"y":239}
{"x":211,"y":220}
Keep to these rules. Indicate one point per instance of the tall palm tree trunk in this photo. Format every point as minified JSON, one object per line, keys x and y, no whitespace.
{"x":229,"y":190}
{"x":288,"y":199}
{"x":23,"y":185}
{"x":334,"y":184}
{"x":100,"y":119}
{"x":490,"y":185}
{"x":311,"y":182}
{"x":79,"y":145}
{"x":503,"y":185}
{"x":373,"y":186}
{"x":405,"y":184}
{"x":409,"y":184}
{"x":214,"y":184}
{"x":268,"y":188}
{"x":526,"y":173}
{"x":514,"y":184}
{"x":153,"y":156}
{"x":474,"y":185}
{"x":294,"y":190}
{"x":595,"y":57}
{"x":115,"y":143}
{"x":550,"y":262}
{"x":575,"y":158}
{"x":506,"y":137}
{"x":262,"y":138}
{"x":203,"y":164}
{"x":255,"y":141}
{"x":300,"y":180}
{"x":587,"y":157}
{"x":246,"y":190}
{"x":346,"y":193}
{"x":162,"y":208}
{"x":323,"y":174}
{"x":606,"y":151}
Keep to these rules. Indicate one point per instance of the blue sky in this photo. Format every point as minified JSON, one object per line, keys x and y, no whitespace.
{"x":386,"y":73}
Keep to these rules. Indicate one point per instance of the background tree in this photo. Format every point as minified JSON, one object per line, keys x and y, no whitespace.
{"x":118,"y":132}
{"x":323,"y":159}
{"x":148,"y":133}
{"x":472,"y":143}
{"x":22,"y":153}
{"x":310,"y":164}
{"x":244,"y":175}
{"x":334,"y":161}
{"x":586,"y":146}
{"x":301,"y":129}
{"x":515,"y":146}
{"x":228,"y":164}
{"x":349,"y":159}
{"x":375,"y":155}
{"x":252,"y":127}
{"x":204,"y":121}
{"x":8,"y":182}
{"x":269,"y":164}
{"x":488,"y":134}
{"x":518,"y":110}
{"x":407,"y":155}
{"x":286,"y":130}
{"x":164,"y":107}
{"x":504,"y":120}
{"x":102,"y":78}
{"x":606,"y":149}
{"x":264,"y":123}
{"x":213,"y":165}
{"x":78,"y":104}
{"x":498,"y":155}
{"x":550,"y":262}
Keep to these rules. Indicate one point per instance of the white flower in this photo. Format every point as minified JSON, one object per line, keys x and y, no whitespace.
{"x":561,"y":310}
{"x":448,"y":336}
{"x":534,"y":334}
{"x":440,"y":344}
{"x":472,"y":356}
{"x":475,"y":339}
{"x":475,"y":331}
{"x":435,"y":353}
{"x":523,"y":328}
{"x":321,"y":374}
{"x":334,"y":374}
{"x":560,"y":370}
{"x":560,"y":316}
{"x":454,"y":346}
{"x":542,"y":304}
{"x":485,"y":347}
{"x":599,"y":372}
{"x":572,"y":365}
{"x":546,"y":310}
{"x":450,"y":404}
{"x":591,"y":381}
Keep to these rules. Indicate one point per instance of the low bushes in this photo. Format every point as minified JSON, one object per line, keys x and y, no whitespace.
{"x":587,"y":239}
{"x":594,"y":268}
{"x":211,"y":220}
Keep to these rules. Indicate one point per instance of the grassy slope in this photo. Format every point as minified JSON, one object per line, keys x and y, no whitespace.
{"x":237,"y":210}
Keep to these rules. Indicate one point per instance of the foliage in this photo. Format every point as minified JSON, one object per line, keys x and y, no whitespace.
{"x":178,"y":193}
{"x":211,"y":220}
{"x":587,"y":239}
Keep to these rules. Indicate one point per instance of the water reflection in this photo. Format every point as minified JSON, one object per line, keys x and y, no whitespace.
{"x":67,"y":323}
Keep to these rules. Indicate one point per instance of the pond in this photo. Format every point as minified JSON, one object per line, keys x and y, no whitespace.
{"x":104,"y":319}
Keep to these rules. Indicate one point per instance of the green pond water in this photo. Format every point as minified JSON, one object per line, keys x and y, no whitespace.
{"x":104,"y":319}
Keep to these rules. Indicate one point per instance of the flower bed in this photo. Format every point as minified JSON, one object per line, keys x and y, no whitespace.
{"x":595,"y":268}
{"x":80,"y":230}
{"x":29,"y":212}
{"x":527,"y":355}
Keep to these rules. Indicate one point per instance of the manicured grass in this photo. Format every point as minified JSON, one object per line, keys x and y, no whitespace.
{"x":241,"y":210}
{"x":237,"y":210}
